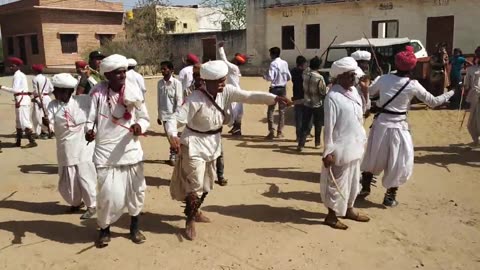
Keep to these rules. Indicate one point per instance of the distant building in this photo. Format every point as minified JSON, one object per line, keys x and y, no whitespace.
{"x":312,"y":24}
{"x":57,"y":33}
{"x":190,"y":19}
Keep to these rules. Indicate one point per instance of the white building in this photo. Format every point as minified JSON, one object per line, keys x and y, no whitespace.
{"x":190,"y":19}
{"x":312,"y":24}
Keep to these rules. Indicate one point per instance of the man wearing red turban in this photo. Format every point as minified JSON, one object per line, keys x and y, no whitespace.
{"x":390,"y":146}
{"x":23,"y":102}
{"x":42,"y":88}
{"x":186,"y":74}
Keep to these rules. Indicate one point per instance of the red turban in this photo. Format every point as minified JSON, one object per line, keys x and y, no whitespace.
{"x":193,"y":58}
{"x":15,"y":61}
{"x":80,"y":64}
{"x":241,"y":58}
{"x":37,"y":67}
{"x":409,"y":48}
{"x":405,"y":61}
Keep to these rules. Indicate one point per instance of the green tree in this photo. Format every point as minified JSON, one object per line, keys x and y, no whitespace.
{"x":233,"y":11}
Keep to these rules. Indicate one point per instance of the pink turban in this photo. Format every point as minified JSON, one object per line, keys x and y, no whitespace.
{"x":406,"y":60}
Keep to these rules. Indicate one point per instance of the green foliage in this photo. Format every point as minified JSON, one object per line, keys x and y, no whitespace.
{"x":234,"y":11}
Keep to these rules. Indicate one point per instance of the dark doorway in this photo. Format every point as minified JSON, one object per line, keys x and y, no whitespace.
{"x":209,"y":49}
{"x":440,"y":29}
{"x":22,"y":49}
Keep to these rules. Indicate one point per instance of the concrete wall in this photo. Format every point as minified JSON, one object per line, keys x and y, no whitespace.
{"x":183,"y":44}
{"x":349,"y":20}
{"x":196,"y":19}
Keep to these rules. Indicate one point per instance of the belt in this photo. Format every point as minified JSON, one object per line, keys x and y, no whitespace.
{"x":22,"y":94}
{"x":209,"y":132}
{"x":381,"y":110}
{"x":273,"y":87}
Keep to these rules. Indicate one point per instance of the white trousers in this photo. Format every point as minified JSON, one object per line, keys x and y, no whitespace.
{"x":348,"y":180}
{"x":192,"y":175}
{"x":389,"y":150}
{"x":237,"y":111}
{"x":119,"y":187}
{"x":78,"y":183}
{"x":474,"y":121}
{"x":23,"y":117}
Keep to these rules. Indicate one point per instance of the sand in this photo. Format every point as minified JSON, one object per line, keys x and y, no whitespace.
{"x":268,"y":217}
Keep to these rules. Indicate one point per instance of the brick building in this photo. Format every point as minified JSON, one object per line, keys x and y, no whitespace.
{"x":58,"y":33}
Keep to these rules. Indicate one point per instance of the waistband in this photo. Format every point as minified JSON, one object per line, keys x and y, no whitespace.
{"x":209,"y":132}
{"x":22,"y":94}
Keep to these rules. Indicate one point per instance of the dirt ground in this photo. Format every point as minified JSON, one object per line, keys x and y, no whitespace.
{"x":268,"y":217}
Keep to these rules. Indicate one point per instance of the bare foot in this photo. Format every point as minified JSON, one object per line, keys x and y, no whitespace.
{"x":190,"y":230}
{"x":200,"y":217}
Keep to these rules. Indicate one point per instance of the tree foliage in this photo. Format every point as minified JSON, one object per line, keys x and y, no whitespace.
{"x":234,"y":11}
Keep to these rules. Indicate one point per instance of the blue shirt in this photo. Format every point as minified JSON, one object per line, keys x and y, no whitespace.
{"x":457,"y":65}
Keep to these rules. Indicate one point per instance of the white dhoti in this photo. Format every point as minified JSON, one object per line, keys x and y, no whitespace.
{"x":192,"y":175}
{"x":348,"y":180}
{"x":78,"y":183}
{"x":389,"y":150}
{"x":23,"y":119}
{"x":474,"y":122}
{"x":119,"y":187}
{"x":237,"y":111}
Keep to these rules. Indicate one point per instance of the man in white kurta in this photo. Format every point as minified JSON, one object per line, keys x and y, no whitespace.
{"x":169,"y":98}
{"x":472,"y":85}
{"x":200,"y":144}
{"x":23,"y":102}
{"x":68,"y":116}
{"x":117,"y":117}
{"x":233,"y":78}
{"x":186,"y":74}
{"x":42,"y":88}
{"x":345,"y":139}
{"x":390,"y":146}
{"x":135,"y":76}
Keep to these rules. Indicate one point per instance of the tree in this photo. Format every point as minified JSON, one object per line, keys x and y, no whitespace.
{"x":234,"y":11}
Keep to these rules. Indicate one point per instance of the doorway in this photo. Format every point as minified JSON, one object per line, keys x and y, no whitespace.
{"x":209,"y":46}
{"x":440,"y":29}
{"x":22,"y":49}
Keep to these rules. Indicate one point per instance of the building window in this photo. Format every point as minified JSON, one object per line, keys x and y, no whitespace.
{"x":34,"y":44}
{"x":10,"y":46}
{"x":170,"y":25}
{"x":105,"y":38}
{"x":288,"y":37}
{"x":385,"y":29}
{"x":313,"y":36}
{"x":226,"y":26}
{"x":185,"y":26}
{"x":69,"y":43}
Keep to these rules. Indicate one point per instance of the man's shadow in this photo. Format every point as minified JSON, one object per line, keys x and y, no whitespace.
{"x":275,"y":192}
{"x":39,"y":169}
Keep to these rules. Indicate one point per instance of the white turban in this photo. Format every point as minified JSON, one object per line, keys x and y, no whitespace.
{"x":64,"y":80}
{"x":343,"y":65}
{"x":113,"y":62}
{"x":132,"y":62}
{"x":213,"y":70}
{"x":361,"y":55}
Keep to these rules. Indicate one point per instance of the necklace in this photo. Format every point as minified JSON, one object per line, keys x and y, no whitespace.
{"x":126,"y":115}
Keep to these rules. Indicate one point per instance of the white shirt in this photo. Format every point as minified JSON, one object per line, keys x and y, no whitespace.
{"x":200,"y":114}
{"x":169,"y":97}
{"x":42,"y":86}
{"x":387,"y":85}
{"x":233,"y":76}
{"x":472,"y":84}
{"x":115,"y":144}
{"x":138,"y":78}
{"x":278,"y":73}
{"x":186,"y":77}
{"x":344,"y":134}
{"x":19,"y":85}
{"x":69,"y":121}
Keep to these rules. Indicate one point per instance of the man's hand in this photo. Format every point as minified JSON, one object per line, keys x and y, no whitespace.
{"x":364,"y":84}
{"x":45,"y":121}
{"x":159,"y":122}
{"x":328,"y":161}
{"x":136,"y":129}
{"x":283,"y":100}
{"x":90,"y":135}
{"x":221,"y":43}
{"x":175,"y":144}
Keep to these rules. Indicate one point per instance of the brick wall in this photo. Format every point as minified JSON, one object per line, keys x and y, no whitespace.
{"x":86,"y":24}
{"x":83,"y":4}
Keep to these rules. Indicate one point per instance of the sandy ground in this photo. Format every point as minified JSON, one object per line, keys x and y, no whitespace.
{"x":268,"y":217}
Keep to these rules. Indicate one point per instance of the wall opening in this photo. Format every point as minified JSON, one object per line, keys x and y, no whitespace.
{"x":34,"y":44}
{"x":313,"y":36}
{"x":10,"y":46}
{"x":69,"y":43}
{"x":385,"y":29}
{"x":288,"y":37}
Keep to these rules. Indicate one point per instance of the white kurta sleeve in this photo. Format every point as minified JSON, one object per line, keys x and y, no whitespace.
{"x":51,"y":113}
{"x":251,"y":97}
{"x":8,"y":89}
{"x":159,"y":117}
{"x":223,"y":57}
{"x":272,"y":72}
{"x":35,"y":86}
{"x":182,"y":116}
{"x":142,"y":117}
{"x":428,"y":98}
{"x":182,"y":76}
{"x":178,"y":94}
{"x":374,"y":89}
{"x":92,"y":113}
{"x":330,"y":112}
{"x":17,"y":83}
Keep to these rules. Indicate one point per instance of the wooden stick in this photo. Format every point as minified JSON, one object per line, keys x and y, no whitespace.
{"x":374,"y":54}
{"x":329,"y":45}
{"x":463,"y":119}
{"x":461,"y":100}
{"x":40,"y":97}
{"x":335,"y":182}
{"x":291,"y":39}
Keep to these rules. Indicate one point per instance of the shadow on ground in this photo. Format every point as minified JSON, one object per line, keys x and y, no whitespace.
{"x":290,"y":173}
{"x":39,"y":168}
